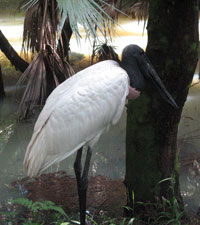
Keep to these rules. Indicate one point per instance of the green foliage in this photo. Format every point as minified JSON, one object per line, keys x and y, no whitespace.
{"x":93,"y":13}
{"x":10,"y":75}
{"x":46,"y":212}
{"x":39,"y":212}
{"x":81,"y":12}
{"x":175,"y":211}
{"x":10,"y":7}
{"x":37,"y":206}
{"x":165,"y":211}
{"x":110,"y":221}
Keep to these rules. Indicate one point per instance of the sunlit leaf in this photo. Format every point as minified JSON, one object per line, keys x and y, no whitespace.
{"x":86,"y":13}
{"x":131,"y":221}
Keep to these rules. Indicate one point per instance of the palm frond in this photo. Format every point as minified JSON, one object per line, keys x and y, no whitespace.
{"x":112,"y":8}
{"x":45,"y":72}
{"x":85,"y":13}
{"x":105,"y":52}
{"x":140,"y":10}
{"x":28,"y":4}
{"x":33,"y":23}
{"x":34,"y":94}
{"x":136,"y":8}
{"x":48,"y":68}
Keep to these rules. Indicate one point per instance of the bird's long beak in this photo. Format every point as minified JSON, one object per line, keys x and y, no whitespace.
{"x":151,"y":75}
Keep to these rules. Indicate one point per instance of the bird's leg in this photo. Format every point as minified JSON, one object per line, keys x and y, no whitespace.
{"x":84,"y":185}
{"x":82,"y":181}
{"x":78,"y":168}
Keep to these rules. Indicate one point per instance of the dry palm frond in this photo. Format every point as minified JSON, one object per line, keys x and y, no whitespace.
{"x":48,"y":69}
{"x":58,"y":69}
{"x":32,"y":27}
{"x":63,"y":42}
{"x":45,"y":72}
{"x":33,"y":23}
{"x":137,"y":8}
{"x":35,"y":92}
{"x":111,"y":7}
{"x":140,"y":10}
{"x":105,"y":52}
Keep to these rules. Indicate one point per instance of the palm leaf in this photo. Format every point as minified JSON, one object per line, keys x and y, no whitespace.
{"x":48,"y":69}
{"x":95,"y":12}
{"x":45,"y":72}
{"x":105,"y":52}
{"x":28,"y":4}
{"x":33,"y":24}
{"x":137,"y":8}
{"x":34,"y":94}
{"x":92,"y":14}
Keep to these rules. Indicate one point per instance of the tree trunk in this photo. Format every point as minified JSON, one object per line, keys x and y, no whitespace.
{"x":11,"y":54}
{"x":152,"y":124}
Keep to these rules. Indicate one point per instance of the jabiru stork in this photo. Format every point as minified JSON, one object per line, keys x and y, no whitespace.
{"x":80,"y":109}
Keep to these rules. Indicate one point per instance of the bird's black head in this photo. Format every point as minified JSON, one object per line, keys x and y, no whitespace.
{"x":131,"y":63}
{"x":141,"y":72}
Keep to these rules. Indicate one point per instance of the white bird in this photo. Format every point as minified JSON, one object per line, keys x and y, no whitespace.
{"x":80,"y":109}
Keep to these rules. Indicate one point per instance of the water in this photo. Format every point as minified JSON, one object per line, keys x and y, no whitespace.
{"x":109,"y":155}
{"x":189,"y":148}
{"x":13,"y":30}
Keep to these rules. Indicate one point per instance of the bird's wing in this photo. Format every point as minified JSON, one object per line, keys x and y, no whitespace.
{"x":76,"y":113}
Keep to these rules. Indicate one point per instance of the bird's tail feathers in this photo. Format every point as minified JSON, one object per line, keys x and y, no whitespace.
{"x":34,"y":158}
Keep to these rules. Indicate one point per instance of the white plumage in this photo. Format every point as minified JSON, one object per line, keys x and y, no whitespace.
{"x":76,"y":114}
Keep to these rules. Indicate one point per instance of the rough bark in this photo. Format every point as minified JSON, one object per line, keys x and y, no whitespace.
{"x":11,"y":54}
{"x":152,"y":124}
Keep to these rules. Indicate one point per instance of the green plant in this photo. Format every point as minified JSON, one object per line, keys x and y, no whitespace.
{"x":35,"y":213}
{"x":38,"y":206}
{"x":105,"y":220}
{"x":173,"y":215}
{"x":164,"y":211}
{"x":174,"y":212}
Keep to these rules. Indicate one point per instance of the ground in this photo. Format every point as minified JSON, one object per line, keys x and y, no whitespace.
{"x":105,"y":197}
{"x":61,"y":189}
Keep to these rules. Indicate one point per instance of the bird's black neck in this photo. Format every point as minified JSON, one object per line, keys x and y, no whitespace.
{"x":137,"y":80}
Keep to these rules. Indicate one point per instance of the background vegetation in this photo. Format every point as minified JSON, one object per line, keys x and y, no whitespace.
{"x":10,"y":7}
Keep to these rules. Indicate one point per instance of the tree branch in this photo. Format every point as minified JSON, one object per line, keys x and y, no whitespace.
{"x":11,"y":54}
